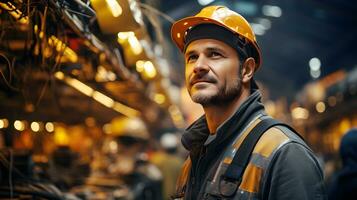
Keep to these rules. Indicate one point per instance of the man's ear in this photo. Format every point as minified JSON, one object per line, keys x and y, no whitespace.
{"x":248,"y":70}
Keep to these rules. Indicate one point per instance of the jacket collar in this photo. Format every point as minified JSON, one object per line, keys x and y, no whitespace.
{"x":197,"y":134}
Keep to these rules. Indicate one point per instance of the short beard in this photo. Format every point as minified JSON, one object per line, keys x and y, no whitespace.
{"x":224,"y":96}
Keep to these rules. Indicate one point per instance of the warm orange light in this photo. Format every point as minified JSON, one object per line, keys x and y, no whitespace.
{"x":320,"y":107}
{"x":114,"y":7}
{"x":176,"y":116}
{"x":35,"y":126}
{"x":4,"y":123}
{"x":98,"y":96}
{"x":16,"y":13}
{"x":68,"y":53}
{"x":19,"y":125}
{"x":133,"y":41}
{"x":61,"y":137}
{"x":159,"y":98}
{"x":149,"y":69}
{"x":50,"y":127}
{"x":345,"y":125}
{"x":300,"y":113}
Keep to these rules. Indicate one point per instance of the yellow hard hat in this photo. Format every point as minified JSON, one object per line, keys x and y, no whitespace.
{"x":221,"y":16}
{"x":129,"y":127}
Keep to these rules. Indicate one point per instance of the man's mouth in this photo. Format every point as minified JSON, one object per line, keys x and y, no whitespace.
{"x":199,"y":81}
{"x":205,"y":80}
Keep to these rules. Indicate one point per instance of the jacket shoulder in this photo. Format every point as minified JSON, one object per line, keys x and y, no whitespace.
{"x":276,"y":137}
{"x":293,"y":171}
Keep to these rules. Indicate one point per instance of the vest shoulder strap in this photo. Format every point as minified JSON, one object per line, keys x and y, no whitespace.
{"x":232,"y":177}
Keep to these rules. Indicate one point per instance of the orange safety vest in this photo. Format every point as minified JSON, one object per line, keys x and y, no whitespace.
{"x":252,"y":180}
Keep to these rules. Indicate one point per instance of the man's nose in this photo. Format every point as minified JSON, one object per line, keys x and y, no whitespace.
{"x":201,"y":65}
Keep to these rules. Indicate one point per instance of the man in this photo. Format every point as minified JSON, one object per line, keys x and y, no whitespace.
{"x":221,"y":56}
{"x":344,"y":182}
{"x":167,"y":159}
{"x":131,"y":165}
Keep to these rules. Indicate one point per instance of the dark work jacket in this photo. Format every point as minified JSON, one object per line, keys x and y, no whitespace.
{"x":206,"y":153}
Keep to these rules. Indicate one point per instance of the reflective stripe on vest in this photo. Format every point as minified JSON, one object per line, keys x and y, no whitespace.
{"x":253,"y":175}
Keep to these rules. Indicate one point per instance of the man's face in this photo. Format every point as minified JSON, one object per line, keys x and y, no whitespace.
{"x":212,"y":72}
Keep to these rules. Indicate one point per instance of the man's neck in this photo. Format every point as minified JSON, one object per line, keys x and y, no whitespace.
{"x":217,"y":114}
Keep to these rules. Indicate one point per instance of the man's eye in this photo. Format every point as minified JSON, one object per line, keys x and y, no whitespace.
{"x":191,"y":58}
{"x":215,"y":54}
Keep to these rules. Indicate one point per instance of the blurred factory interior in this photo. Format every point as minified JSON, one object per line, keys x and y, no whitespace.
{"x":72,"y":72}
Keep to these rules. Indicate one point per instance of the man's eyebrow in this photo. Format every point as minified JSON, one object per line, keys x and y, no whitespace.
{"x":215,"y":49}
{"x":188,"y":53}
